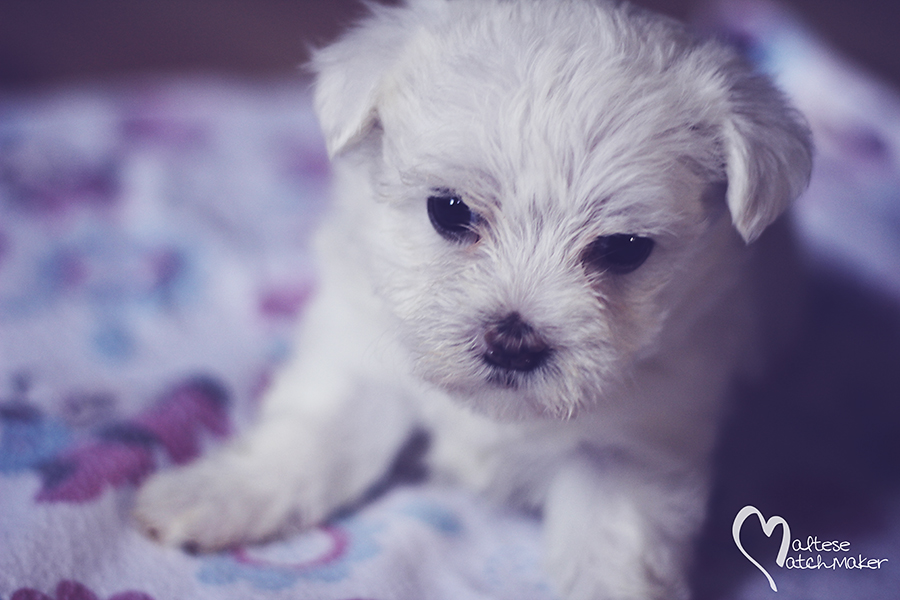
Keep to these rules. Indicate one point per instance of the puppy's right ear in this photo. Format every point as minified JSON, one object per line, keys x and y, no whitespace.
{"x":350,"y":72}
{"x":769,"y":152}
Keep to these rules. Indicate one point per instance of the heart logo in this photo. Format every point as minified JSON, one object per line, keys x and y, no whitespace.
{"x":768,"y":527}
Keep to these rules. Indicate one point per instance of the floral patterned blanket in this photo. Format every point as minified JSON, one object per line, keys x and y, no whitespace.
{"x":153,"y":261}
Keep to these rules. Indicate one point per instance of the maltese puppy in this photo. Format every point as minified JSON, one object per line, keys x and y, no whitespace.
{"x":539,"y":252}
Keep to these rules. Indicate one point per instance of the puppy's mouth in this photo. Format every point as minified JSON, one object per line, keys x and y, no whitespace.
{"x":513,"y":350}
{"x":505,"y":378}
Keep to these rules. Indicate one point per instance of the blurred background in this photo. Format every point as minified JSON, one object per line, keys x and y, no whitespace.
{"x":58,"y":40}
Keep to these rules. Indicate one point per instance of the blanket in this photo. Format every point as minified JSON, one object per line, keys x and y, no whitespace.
{"x":154,"y":261}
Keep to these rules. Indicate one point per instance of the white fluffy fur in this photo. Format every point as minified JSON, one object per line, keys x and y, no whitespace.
{"x":556,"y":122}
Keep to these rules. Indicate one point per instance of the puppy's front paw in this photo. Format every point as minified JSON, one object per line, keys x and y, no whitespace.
{"x":613,"y":536}
{"x":210,"y":505}
{"x":605,"y":566}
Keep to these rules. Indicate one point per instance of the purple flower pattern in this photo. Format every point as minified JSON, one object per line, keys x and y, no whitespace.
{"x":72,"y":590}
{"x":123,"y":453}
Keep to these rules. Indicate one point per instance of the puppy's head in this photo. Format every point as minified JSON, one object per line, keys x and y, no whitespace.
{"x":551,"y":185}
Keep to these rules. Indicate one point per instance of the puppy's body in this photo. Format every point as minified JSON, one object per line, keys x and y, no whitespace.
{"x":532,"y":254}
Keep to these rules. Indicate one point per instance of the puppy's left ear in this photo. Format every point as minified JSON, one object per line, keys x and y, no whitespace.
{"x":768,"y":153}
{"x":349,"y":73}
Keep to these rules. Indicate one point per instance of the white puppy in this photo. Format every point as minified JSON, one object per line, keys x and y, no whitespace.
{"x":538,"y":253}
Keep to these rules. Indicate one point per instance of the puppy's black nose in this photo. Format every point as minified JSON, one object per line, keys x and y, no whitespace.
{"x":513,"y":344}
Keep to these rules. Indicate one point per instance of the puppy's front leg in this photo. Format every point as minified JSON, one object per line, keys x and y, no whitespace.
{"x":614,"y":534}
{"x":330,"y":426}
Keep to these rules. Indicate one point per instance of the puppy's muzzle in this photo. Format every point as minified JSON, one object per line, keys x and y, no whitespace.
{"x":513,"y":345}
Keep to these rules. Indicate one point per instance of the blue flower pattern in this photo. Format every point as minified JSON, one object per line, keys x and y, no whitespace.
{"x":326,"y":554}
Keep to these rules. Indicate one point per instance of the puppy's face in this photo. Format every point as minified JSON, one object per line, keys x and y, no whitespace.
{"x":534,"y":247}
{"x":550,"y":193}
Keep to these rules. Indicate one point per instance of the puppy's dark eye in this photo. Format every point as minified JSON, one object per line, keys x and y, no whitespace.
{"x":620,"y":253}
{"x":451,"y":217}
